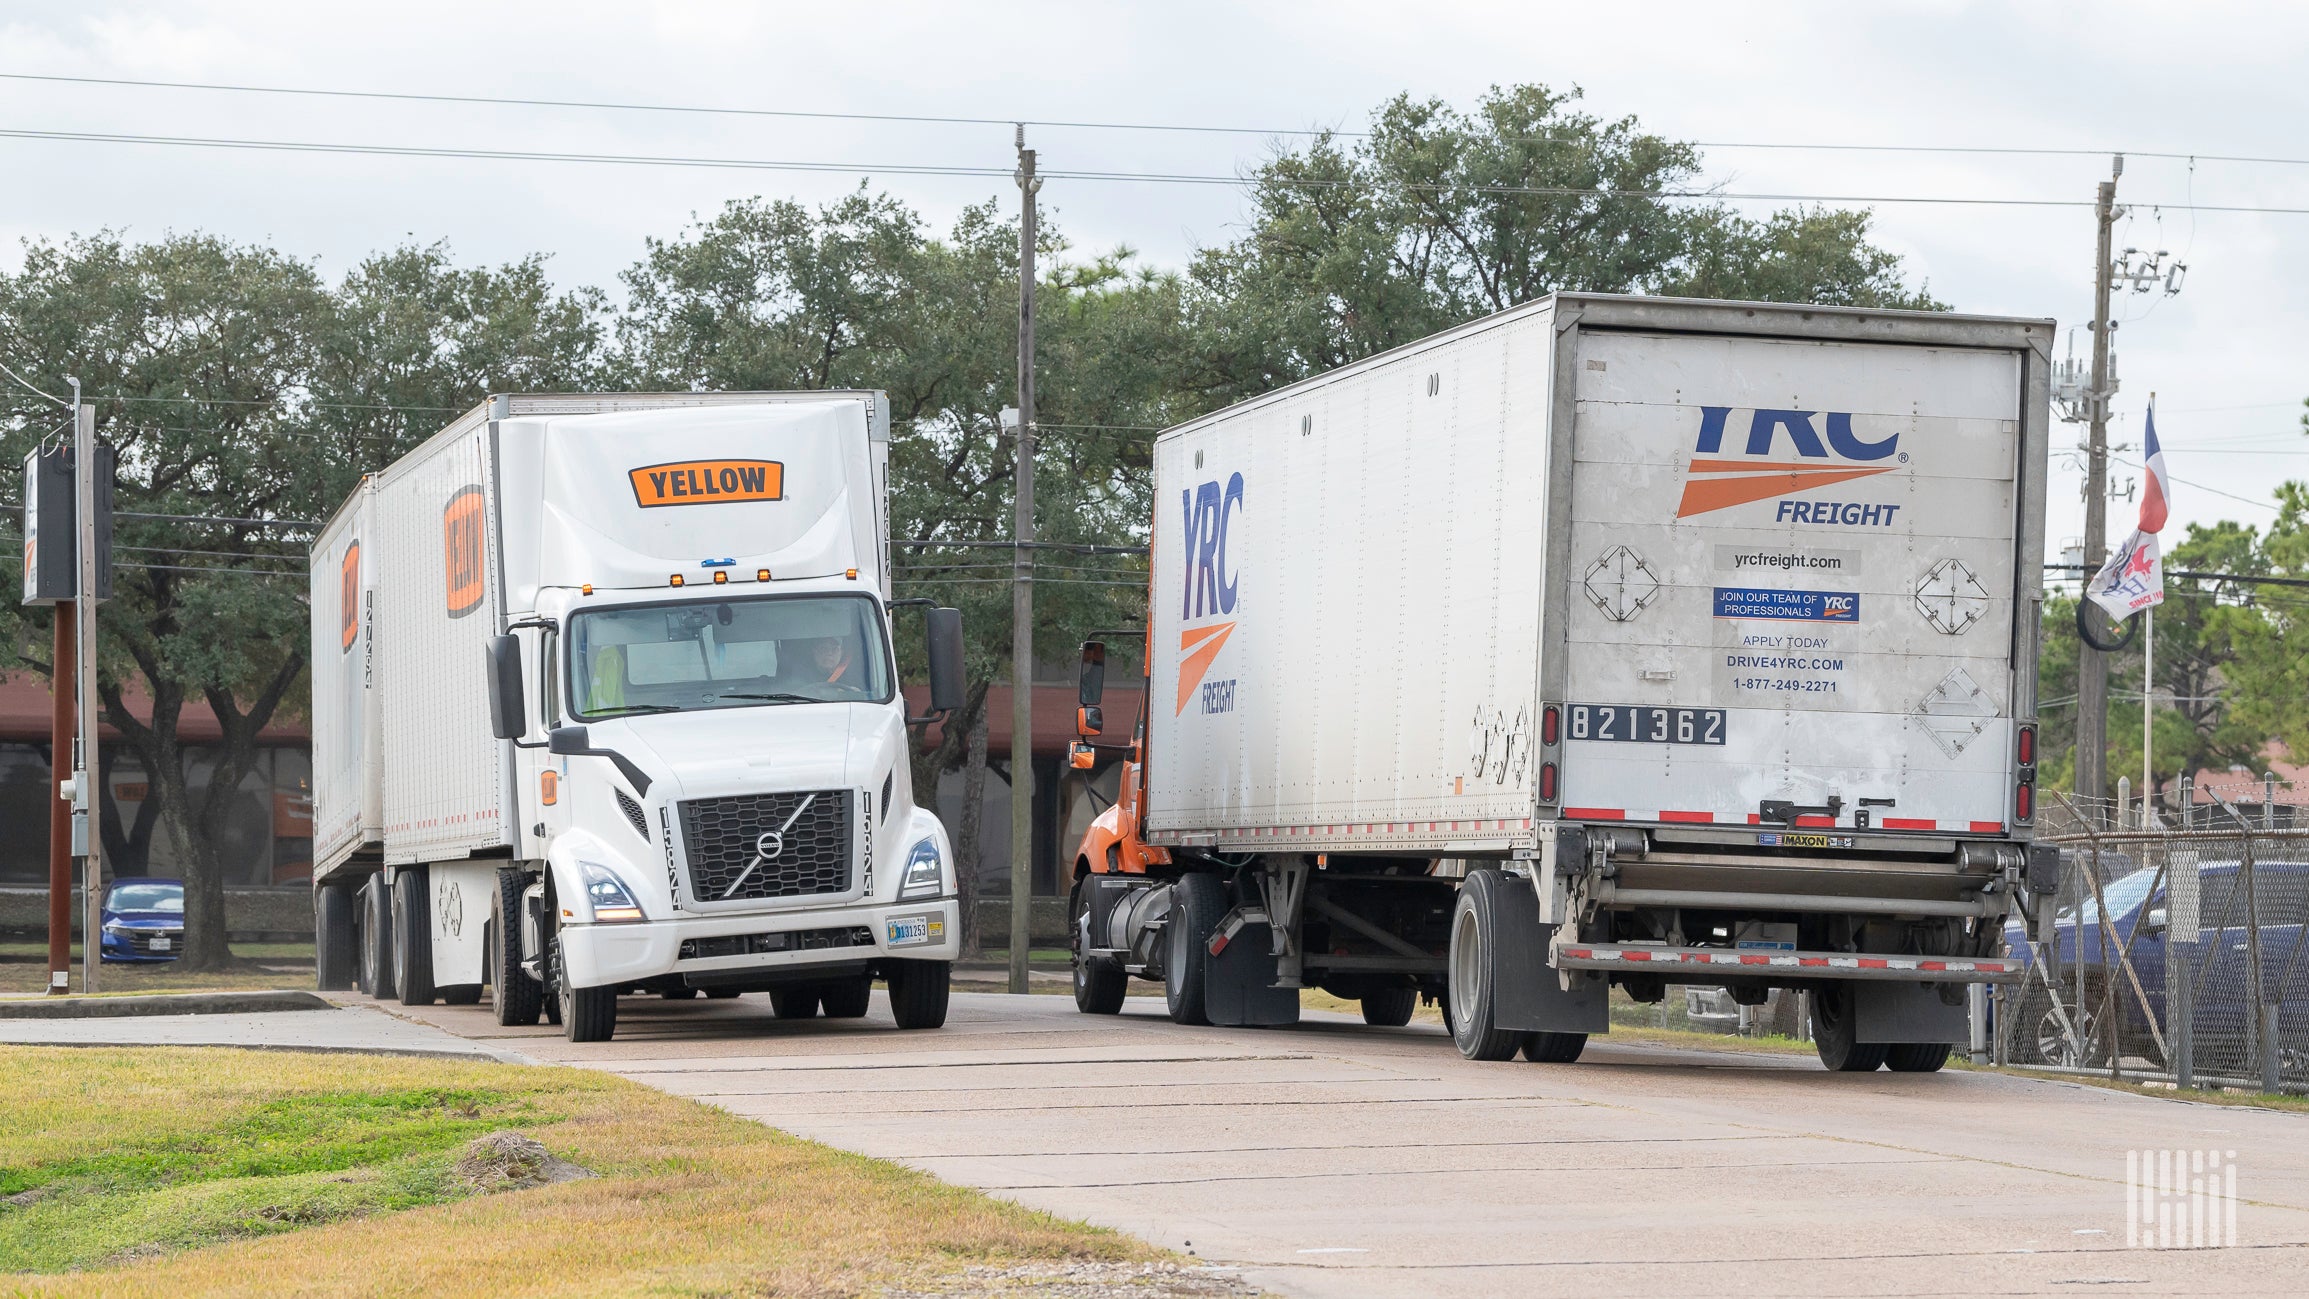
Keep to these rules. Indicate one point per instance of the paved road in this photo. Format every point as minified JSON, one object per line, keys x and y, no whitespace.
{"x":345,"y":1028}
{"x":1339,"y":1160}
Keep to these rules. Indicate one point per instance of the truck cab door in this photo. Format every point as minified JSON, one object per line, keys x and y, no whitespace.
{"x":540,"y":776}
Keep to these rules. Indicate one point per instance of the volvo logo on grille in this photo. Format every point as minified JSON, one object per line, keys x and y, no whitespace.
{"x":769,"y":846}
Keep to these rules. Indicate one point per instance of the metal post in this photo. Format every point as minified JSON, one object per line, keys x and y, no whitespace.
{"x":1022,"y":593}
{"x":2092,"y":715}
{"x":2148,"y":698}
{"x":2125,"y":803}
{"x":1976,"y":1022}
{"x":63,"y":661}
{"x":84,"y":756}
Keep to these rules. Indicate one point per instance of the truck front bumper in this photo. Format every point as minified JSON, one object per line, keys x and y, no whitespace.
{"x":929,"y":930}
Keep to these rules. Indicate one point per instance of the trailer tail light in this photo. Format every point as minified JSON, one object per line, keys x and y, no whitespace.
{"x":1547,"y":782}
{"x":2025,"y":748}
{"x":1550,"y":725}
{"x":2024,"y":802}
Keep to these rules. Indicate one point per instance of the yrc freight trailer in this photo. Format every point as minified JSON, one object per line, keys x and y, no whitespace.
{"x":1601,"y":642}
{"x":604,"y":702}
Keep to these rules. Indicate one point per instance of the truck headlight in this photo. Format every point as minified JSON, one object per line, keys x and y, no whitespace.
{"x":925,"y":876}
{"x":608,"y":897}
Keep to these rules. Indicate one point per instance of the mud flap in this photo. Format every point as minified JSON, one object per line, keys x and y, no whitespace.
{"x":1905,"y":1012}
{"x":1239,"y":984}
{"x":1526,"y":995}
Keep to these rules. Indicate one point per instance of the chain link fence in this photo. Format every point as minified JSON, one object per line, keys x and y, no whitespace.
{"x":2177,"y":950}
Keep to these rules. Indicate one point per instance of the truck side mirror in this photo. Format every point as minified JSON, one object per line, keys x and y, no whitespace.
{"x":569,"y":741}
{"x":508,"y":710}
{"x":947,"y":689}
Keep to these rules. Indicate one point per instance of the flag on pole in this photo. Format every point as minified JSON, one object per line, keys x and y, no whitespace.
{"x":2134,"y":577}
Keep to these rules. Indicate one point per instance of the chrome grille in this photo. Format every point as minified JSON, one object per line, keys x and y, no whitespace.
{"x":763,"y":846}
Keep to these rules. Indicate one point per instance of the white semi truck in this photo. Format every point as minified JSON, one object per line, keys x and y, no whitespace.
{"x":1605,"y":641}
{"x":604,"y":701}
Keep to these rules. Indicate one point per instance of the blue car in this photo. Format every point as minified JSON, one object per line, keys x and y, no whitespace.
{"x":2139,"y":915}
{"x":143,"y":920}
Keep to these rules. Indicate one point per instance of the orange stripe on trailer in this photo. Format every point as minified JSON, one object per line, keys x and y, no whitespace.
{"x":1825,"y":822}
{"x":1595,"y":814}
{"x":1909,"y":823}
{"x":1699,"y":818}
{"x":1988,"y":827}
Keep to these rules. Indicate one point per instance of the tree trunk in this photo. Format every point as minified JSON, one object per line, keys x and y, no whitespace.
{"x":966,"y":835}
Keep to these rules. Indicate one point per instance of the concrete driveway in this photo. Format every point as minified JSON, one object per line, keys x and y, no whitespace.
{"x":1334,"y":1159}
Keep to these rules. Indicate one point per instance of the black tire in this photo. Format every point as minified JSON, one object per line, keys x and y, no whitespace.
{"x":516,"y":999}
{"x":919,"y":992}
{"x":1474,"y":928}
{"x":587,"y":1014}
{"x":1390,"y":1007}
{"x":847,"y":998}
{"x":461,"y":994}
{"x":1198,"y":900}
{"x":723,"y":994}
{"x":376,"y":938}
{"x":1099,"y":981}
{"x":336,"y":957}
{"x":413,"y":936}
{"x":1916,"y":1057}
{"x":682,"y":993}
{"x":1834,"y":1023}
{"x":794,"y":1003}
{"x":1554,"y":1048}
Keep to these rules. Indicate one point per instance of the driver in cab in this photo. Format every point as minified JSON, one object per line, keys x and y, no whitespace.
{"x":829,"y":662}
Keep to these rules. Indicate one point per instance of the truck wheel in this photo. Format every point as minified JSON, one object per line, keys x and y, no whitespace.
{"x":413,"y":936}
{"x":722,"y":994}
{"x":794,"y":1003}
{"x":918,"y":992}
{"x":1833,"y":1026}
{"x":1554,"y":1048}
{"x":516,"y":998}
{"x":376,"y":938}
{"x":1474,"y":928}
{"x":1099,"y":981}
{"x":1197,"y":902}
{"x":587,"y":1014}
{"x":1916,"y":1057}
{"x":1390,"y":1007}
{"x":335,"y":957}
{"x":847,"y":998}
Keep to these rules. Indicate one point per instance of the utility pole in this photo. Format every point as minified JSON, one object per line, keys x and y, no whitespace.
{"x":2092,"y":700}
{"x":84,"y":755}
{"x":1022,"y":593}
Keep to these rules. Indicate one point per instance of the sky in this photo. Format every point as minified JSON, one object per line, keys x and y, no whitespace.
{"x":2224,"y":355}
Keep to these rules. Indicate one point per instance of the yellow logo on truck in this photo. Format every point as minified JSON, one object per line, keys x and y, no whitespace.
{"x":708,"y":482}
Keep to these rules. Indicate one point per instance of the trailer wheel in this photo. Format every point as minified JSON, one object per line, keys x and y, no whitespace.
{"x":1099,"y":981}
{"x":794,"y":1003}
{"x":335,"y":957}
{"x":587,"y":1014}
{"x":1833,"y":1025}
{"x":1474,"y":928}
{"x":376,"y":938}
{"x":847,"y":998}
{"x":918,"y":992}
{"x":1390,"y":1007}
{"x":1554,"y":1048}
{"x":413,"y":936}
{"x":1197,"y":902}
{"x":1916,"y":1057}
{"x":461,"y":994}
{"x":515,"y":998}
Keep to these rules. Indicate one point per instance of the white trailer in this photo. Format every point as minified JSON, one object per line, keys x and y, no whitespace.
{"x":605,"y":702}
{"x":1603,"y":641}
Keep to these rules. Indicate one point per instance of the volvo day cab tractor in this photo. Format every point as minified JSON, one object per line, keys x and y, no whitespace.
{"x":1602,"y":642}
{"x":604,"y":702}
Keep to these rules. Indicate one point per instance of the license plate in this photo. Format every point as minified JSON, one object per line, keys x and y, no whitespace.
{"x":1647,"y":724}
{"x":914,"y":931}
{"x":160,"y":943}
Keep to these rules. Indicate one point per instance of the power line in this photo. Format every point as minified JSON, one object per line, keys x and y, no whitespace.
{"x":1173,"y":178}
{"x":35,"y":389}
{"x":943,"y":119}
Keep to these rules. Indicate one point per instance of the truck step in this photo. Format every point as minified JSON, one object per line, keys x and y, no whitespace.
{"x":1785,"y":964}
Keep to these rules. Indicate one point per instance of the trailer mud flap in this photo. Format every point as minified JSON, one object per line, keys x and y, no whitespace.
{"x":1525,"y":993}
{"x":1239,"y":983}
{"x":1905,"y":1012}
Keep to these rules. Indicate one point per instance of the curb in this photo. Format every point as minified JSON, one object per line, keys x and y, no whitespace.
{"x":183,"y":1003}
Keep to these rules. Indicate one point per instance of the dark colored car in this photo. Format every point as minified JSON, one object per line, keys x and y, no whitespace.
{"x":143,"y":919}
{"x":2221,"y":958}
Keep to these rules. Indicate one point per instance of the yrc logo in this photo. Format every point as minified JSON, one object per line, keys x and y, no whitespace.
{"x":1716,"y":483}
{"x":1211,"y":587}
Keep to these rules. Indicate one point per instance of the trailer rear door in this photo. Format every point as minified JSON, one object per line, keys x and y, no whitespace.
{"x":1792,"y":581}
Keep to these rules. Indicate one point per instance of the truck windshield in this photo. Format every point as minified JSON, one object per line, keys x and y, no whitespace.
{"x":741,"y":652}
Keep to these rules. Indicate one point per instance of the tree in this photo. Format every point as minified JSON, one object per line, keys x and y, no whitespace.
{"x":1438,"y":216}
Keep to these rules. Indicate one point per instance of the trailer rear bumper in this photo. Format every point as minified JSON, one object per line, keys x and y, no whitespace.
{"x":1712,"y":965}
{"x":619,"y":954}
